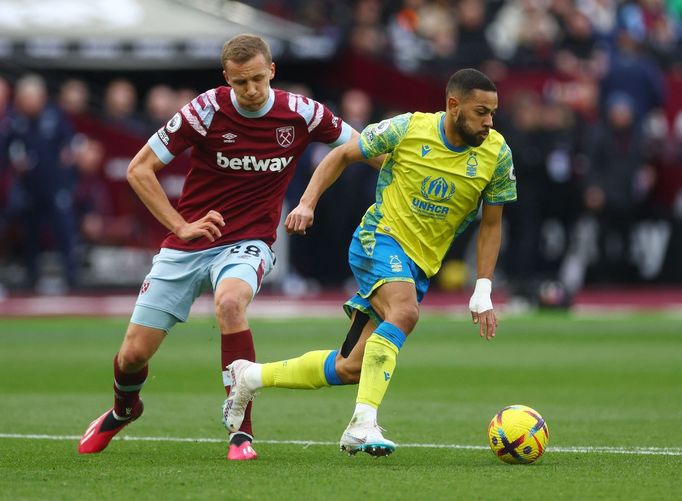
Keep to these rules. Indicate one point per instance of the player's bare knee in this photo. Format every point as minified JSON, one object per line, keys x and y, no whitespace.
{"x":132,"y":358}
{"x":404,"y":317}
{"x":229,"y":307}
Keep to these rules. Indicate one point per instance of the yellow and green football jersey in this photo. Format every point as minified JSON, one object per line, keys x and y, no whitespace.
{"x":428,"y":190}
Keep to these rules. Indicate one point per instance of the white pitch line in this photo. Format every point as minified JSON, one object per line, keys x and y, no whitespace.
{"x":645,"y":451}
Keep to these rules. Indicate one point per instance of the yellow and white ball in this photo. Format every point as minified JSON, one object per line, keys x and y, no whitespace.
{"x":518,"y":434}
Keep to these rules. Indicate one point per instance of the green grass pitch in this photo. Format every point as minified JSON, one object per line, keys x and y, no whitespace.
{"x":610,"y":389}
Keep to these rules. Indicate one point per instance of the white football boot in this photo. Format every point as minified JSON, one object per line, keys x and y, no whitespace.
{"x":240,"y":396}
{"x":365,"y":437}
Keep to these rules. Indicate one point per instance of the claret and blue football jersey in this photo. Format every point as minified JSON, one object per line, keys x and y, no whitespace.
{"x":242,"y":161}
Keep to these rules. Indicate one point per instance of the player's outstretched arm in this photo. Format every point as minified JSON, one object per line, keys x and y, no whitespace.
{"x":142,"y":178}
{"x":329,"y":170}
{"x":487,"y":250}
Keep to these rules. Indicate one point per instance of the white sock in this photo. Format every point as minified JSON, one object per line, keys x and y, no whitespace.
{"x":253,"y":376}
{"x":365,"y":413}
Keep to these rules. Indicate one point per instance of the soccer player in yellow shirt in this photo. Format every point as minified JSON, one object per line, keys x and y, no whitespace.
{"x":440,"y":169}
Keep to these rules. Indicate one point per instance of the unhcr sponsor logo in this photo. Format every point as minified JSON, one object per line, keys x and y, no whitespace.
{"x":424,"y":207}
{"x":433,"y":190}
{"x":251,"y":163}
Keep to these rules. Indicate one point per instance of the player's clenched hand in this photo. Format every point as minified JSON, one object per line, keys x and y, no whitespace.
{"x":299,"y":219}
{"x":208,"y":226}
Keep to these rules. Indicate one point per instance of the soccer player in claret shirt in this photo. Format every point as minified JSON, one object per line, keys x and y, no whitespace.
{"x":440,"y":169}
{"x":246,"y":139}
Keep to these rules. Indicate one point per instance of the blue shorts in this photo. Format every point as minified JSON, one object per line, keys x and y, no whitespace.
{"x":376,"y":265}
{"x":177,"y":278}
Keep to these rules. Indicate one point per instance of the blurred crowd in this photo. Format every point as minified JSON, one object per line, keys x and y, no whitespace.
{"x":63,"y":187}
{"x":597,"y":144}
{"x":62,"y":169}
{"x":436,"y":35}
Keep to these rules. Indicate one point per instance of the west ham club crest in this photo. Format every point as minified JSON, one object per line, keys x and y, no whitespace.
{"x":285,"y":136}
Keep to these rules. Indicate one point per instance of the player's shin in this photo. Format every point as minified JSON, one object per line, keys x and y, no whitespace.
{"x":378,"y":364}
{"x":235,"y":346}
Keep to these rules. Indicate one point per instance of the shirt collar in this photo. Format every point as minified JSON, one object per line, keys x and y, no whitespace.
{"x":253,"y":114}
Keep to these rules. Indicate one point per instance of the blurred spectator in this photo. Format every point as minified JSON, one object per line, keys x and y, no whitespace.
{"x":615,"y":156}
{"x":473,"y":48}
{"x":410,"y":50}
{"x":649,"y":23}
{"x":5,"y":96}
{"x":356,"y":109}
{"x":543,"y":135}
{"x":160,"y":105}
{"x":74,"y":97}
{"x":367,"y":32}
{"x":93,"y":202}
{"x":5,"y":99}
{"x":5,"y":175}
{"x":524,"y":132}
{"x":667,"y":157}
{"x":538,"y":37}
{"x":561,"y":202}
{"x":602,"y":15}
{"x":120,"y":102}
{"x":322,"y":16}
{"x":634,"y":75}
{"x":38,"y":144}
{"x":617,"y":181}
{"x":663,"y":34}
{"x":524,"y":33}
{"x":437,"y":25}
{"x":577,"y":53}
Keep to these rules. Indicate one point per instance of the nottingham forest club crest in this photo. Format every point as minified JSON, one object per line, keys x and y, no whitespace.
{"x":472,"y":163}
{"x":285,"y":136}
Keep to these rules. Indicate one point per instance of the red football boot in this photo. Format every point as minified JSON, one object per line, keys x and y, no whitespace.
{"x":104,"y":428}
{"x":241,"y":448}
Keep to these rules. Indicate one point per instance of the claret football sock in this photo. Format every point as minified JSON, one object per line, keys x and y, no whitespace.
{"x":310,"y":371}
{"x":127,"y":390}
{"x":378,"y":363}
{"x":235,"y":346}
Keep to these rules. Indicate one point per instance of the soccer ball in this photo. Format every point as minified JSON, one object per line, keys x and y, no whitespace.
{"x":518,"y":434}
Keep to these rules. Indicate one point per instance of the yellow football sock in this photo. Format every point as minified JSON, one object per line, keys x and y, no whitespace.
{"x":378,"y":364}
{"x":305,"y":372}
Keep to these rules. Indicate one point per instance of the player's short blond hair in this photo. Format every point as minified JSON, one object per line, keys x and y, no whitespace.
{"x":242,"y":48}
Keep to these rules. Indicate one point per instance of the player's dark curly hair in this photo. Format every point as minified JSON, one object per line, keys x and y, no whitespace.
{"x":464,"y":81}
{"x":242,"y":48}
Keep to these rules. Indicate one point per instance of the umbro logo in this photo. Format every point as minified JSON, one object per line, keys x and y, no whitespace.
{"x":229,"y":137}
{"x":426,"y":149}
